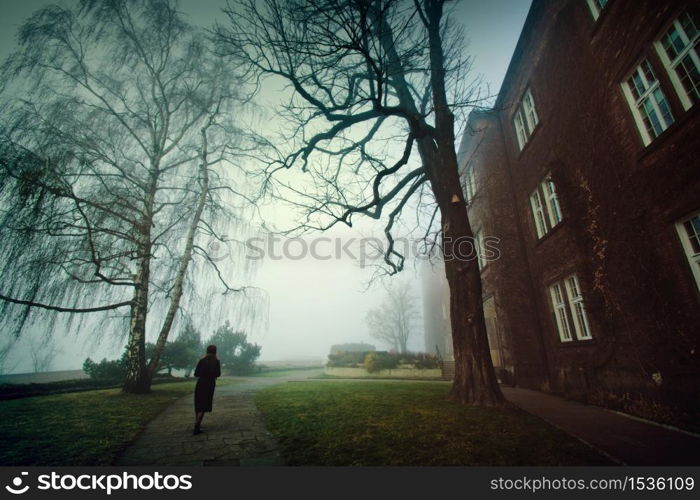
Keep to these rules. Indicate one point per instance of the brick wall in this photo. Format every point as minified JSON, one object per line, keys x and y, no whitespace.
{"x":620,"y":200}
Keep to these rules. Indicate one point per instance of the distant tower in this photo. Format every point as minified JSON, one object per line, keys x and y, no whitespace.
{"x":436,"y":309}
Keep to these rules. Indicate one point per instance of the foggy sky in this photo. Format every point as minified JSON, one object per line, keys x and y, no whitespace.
{"x":313,"y":303}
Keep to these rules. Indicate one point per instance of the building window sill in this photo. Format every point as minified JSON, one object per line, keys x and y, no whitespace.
{"x":529,"y":140}
{"x":659,"y":141}
{"x":550,"y":233}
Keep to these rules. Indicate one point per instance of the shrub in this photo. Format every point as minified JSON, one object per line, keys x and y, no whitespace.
{"x":352,"y":347}
{"x":377,"y":361}
{"x":382,"y":360}
{"x":237,"y":355}
{"x":114,"y":370}
{"x":425,"y":361}
{"x":181,"y":353}
{"x":347,"y":358}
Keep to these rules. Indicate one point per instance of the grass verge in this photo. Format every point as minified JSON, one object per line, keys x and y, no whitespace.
{"x":14,"y":391}
{"x":284,"y":372}
{"x":377,"y":377}
{"x":375,"y":423}
{"x":80,"y":428}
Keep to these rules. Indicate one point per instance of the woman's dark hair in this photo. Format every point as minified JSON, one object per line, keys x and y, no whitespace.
{"x":211,"y":350}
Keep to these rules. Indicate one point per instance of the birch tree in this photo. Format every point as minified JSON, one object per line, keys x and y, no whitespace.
{"x":375,"y":87}
{"x":117,"y":120}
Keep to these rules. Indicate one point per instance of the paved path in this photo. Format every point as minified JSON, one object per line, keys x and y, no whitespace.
{"x":234,"y":433}
{"x":625,"y":439}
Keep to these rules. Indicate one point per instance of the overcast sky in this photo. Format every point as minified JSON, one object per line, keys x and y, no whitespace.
{"x":313,"y":303}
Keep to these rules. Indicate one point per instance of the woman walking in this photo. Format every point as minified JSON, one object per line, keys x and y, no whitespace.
{"x":208,"y":368}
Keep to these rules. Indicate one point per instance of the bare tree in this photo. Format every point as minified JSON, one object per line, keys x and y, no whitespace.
{"x":375,"y":83}
{"x":394,"y":320}
{"x":117,"y":123}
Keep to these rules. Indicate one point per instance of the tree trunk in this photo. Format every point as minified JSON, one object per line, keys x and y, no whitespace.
{"x":475,"y":380}
{"x":184,"y":261}
{"x":138,"y":379}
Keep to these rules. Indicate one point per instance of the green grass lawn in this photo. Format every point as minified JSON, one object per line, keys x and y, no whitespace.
{"x":79,"y":428}
{"x":375,"y":423}
{"x":286,"y":372}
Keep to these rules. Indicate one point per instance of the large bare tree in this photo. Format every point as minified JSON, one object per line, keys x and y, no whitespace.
{"x":363,"y":75}
{"x":117,"y":118}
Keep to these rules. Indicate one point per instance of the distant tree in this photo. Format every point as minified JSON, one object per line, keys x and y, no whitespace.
{"x":164,"y":362}
{"x":181,"y":353}
{"x":237,"y":355}
{"x":115,"y":117}
{"x":394,"y":321}
{"x":113,"y":370}
{"x":189,"y":341}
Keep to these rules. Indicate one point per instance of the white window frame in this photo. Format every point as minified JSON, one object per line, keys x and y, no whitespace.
{"x":578,"y":309}
{"x":529,"y":111}
{"x":478,"y":248}
{"x":690,"y":49}
{"x":569,"y":309}
{"x":545,"y":208}
{"x":525,"y":118}
{"x":538,"y":213}
{"x":595,"y":8}
{"x":553,"y":208}
{"x":469,"y":183}
{"x":693,"y":258}
{"x":520,"y":132}
{"x":560,"y":317}
{"x":649,"y":94}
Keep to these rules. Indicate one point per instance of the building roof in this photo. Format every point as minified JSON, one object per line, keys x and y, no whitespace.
{"x":537,"y":7}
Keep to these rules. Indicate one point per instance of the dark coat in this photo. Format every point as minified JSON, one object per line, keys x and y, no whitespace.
{"x":207,"y":370}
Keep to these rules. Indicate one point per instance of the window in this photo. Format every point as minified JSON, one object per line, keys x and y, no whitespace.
{"x":596,"y":7}
{"x":525,"y":119}
{"x":689,"y":232}
{"x":469,"y":183}
{"x":538,"y":213}
{"x":578,"y":311}
{"x":479,"y":248}
{"x":560,"y":317}
{"x":678,"y":50}
{"x":647,"y":102}
{"x":544,"y":204}
{"x":569,"y":309}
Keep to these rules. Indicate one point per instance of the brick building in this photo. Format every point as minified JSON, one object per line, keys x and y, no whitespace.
{"x":587,"y":170}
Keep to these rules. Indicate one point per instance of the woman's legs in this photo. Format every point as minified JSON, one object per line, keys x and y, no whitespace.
{"x":198,"y":421}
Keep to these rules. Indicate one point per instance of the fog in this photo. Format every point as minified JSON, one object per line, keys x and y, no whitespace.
{"x":313,"y":301}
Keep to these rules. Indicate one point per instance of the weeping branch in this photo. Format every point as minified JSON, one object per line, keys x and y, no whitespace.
{"x":48,"y":307}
